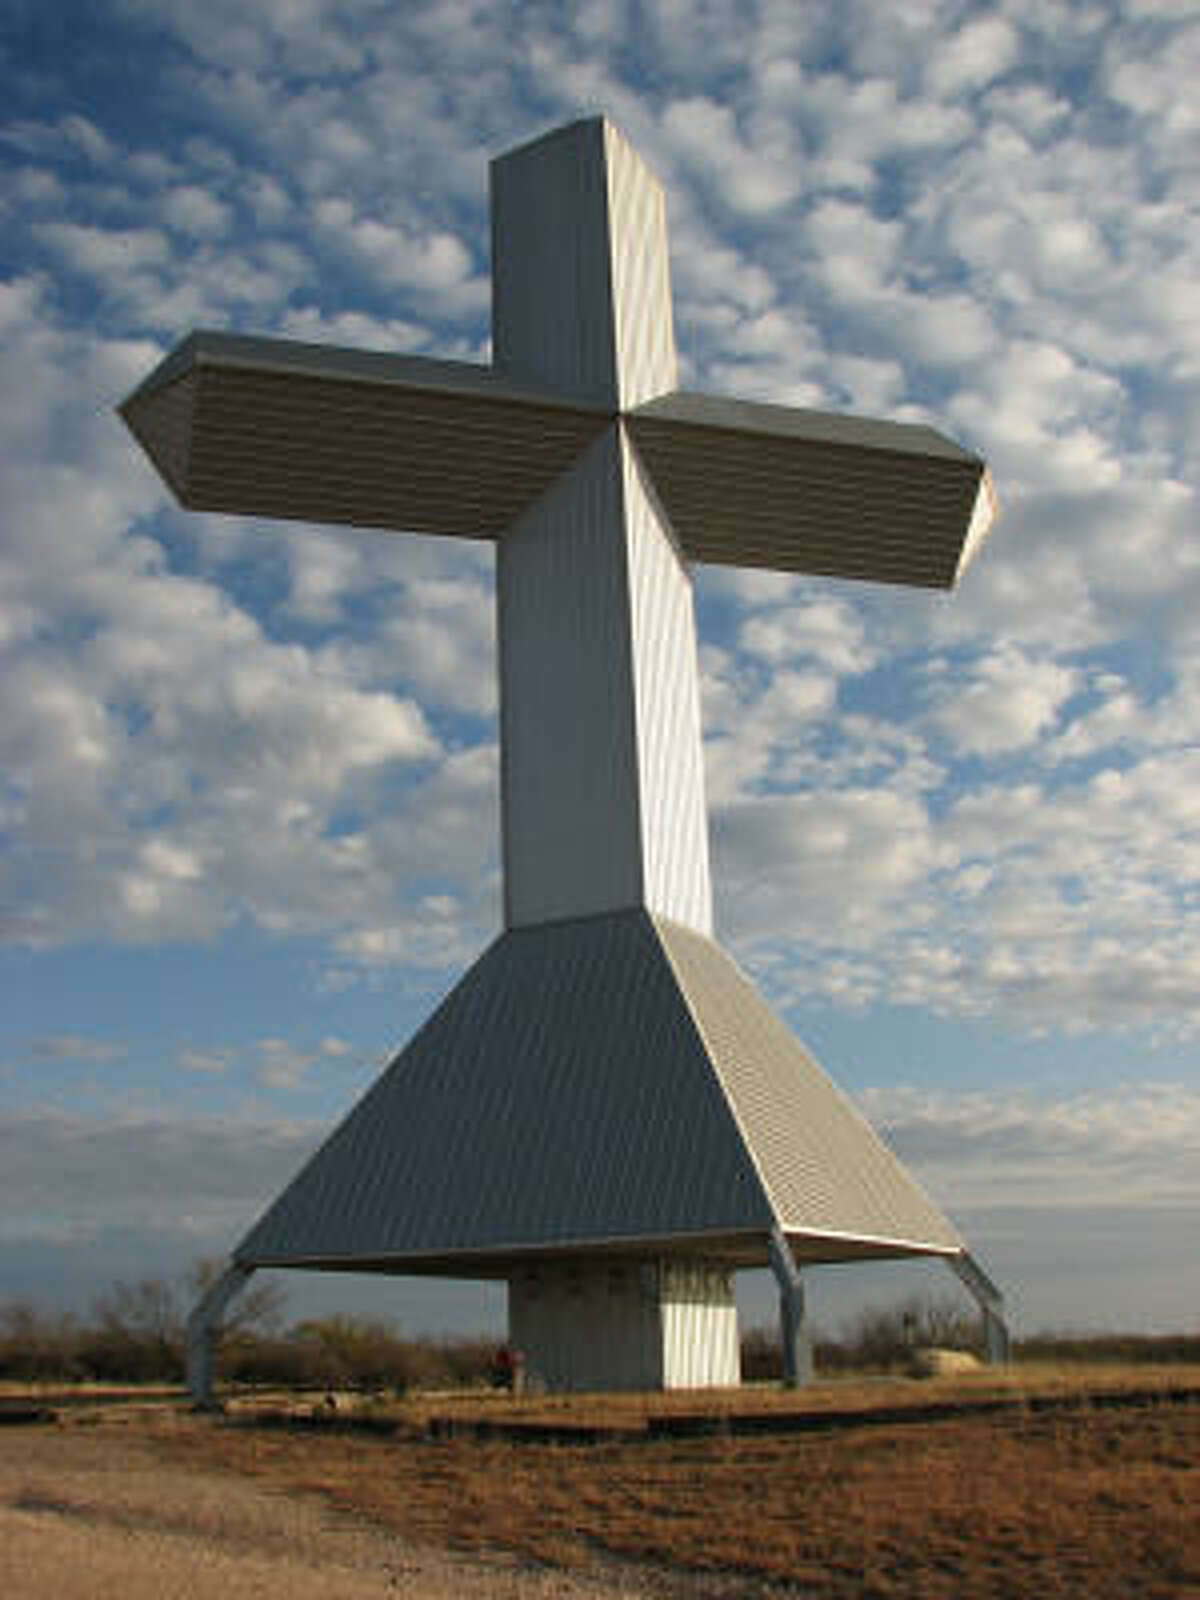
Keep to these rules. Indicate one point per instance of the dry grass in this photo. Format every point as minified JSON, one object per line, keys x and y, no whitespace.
{"x":1072,"y":1501}
{"x":1082,"y":1503}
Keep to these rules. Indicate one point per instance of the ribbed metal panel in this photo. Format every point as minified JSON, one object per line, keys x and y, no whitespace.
{"x":560,"y":1098}
{"x":569,"y":768}
{"x":699,"y":1326}
{"x":826,"y":1172}
{"x":641,"y":277}
{"x":582,"y":1325}
{"x":161,"y":422}
{"x":552,"y":304}
{"x":614,"y":1082}
{"x":580,"y":268}
{"x":626,"y":1324}
{"x":766,"y":486}
{"x":674,"y":825}
{"x":427,"y":447}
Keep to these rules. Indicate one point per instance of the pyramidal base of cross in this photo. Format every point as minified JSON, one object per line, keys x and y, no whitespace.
{"x":604,"y":1112}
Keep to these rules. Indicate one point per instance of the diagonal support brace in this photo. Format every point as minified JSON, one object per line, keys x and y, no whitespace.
{"x":793,"y":1323}
{"x":202,"y":1328}
{"x":991,"y":1305}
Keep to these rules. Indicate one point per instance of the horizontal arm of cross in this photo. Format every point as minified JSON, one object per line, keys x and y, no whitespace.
{"x":273,"y":428}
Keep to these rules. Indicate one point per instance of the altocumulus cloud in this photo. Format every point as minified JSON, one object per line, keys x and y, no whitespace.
{"x":68,"y":1178}
{"x":1138,"y":1141}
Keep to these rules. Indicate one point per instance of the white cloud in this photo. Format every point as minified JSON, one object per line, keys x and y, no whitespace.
{"x":67,"y":1176}
{"x":980,"y":51}
{"x":846,"y":865}
{"x":1134,"y":1145}
{"x":196,"y":212}
{"x":106,"y":253}
{"x":1009,"y":702}
{"x":435,"y":264}
{"x":211,"y":1062}
{"x":282,"y":1066}
{"x":87,"y":137}
{"x":827,"y":630}
{"x":703,"y":133}
{"x":864,"y":121}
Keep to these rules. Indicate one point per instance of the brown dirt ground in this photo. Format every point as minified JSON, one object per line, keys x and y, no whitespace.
{"x":1080,"y":1501}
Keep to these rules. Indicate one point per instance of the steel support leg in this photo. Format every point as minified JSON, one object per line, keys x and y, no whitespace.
{"x":991,"y":1304}
{"x":793,"y":1324}
{"x":202,"y":1328}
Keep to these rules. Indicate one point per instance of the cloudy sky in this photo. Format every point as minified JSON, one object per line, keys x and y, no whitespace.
{"x":248,"y":792}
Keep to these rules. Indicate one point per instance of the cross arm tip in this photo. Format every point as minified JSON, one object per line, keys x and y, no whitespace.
{"x":984,"y":515}
{"x":746,"y":484}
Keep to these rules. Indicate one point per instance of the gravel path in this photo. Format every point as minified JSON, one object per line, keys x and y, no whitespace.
{"x":94,"y":1513}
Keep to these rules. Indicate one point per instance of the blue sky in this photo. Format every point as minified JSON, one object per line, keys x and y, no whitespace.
{"x":248,"y":793}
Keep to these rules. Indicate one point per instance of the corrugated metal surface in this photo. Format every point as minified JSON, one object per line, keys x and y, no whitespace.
{"x":160,"y":418}
{"x":559,"y":1096}
{"x":611,"y":1079}
{"x":674,"y":825}
{"x":581,"y":327}
{"x":581,"y":291}
{"x":766,"y":486}
{"x":699,"y":1326}
{"x":249,"y":433}
{"x":585,"y":1326}
{"x":569,"y":771}
{"x":641,"y":275}
{"x":982,"y":518}
{"x":824,"y":1168}
{"x":345,"y":364}
{"x":269,"y":430}
{"x":650,"y":1324}
{"x":552,"y":316}
{"x":602,"y":781}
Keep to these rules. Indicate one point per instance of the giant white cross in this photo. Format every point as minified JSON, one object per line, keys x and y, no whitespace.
{"x":599,"y":482}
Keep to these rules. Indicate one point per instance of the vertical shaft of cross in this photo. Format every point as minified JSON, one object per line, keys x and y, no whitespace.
{"x":602,"y":791}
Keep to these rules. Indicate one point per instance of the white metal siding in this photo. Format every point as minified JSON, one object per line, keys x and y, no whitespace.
{"x":699,"y":1326}
{"x":552,"y":321}
{"x":161,"y":421}
{"x":649,"y":1324}
{"x":799,"y":491}
{"x":641,"y":276}
{"x":580,"y":267}
{"x":824,"y":1168}
{"x":666,"y":687}
{"x":610,"y":1079}
{"x":262,"y":427}
{"x":559,"y":1096}
{"x":588,"y":1326}
{"x":568,"y":767}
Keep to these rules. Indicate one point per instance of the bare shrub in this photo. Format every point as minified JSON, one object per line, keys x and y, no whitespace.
{"x":136,"y":1334}
{"x":762,"y":1356}
{"x":882,"y":1339}
{"x":37,"y":1348}
{"x":1167,"y":1349}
